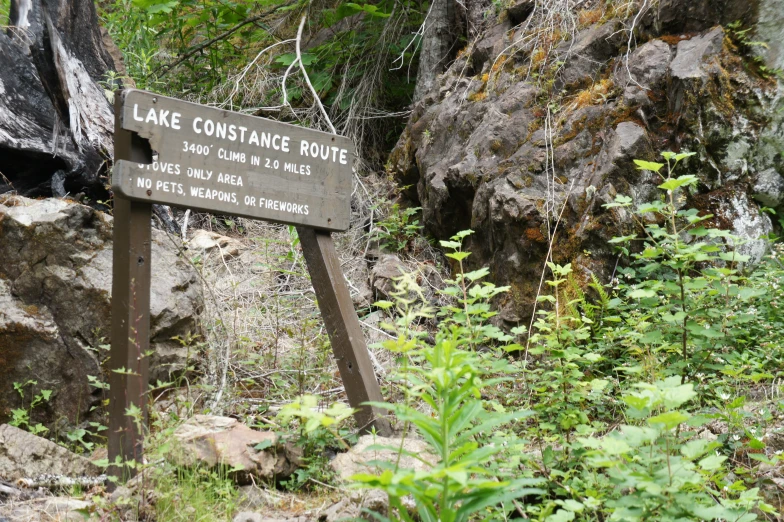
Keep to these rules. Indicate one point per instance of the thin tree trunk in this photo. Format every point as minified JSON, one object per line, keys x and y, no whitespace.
{"x":439,"y":37}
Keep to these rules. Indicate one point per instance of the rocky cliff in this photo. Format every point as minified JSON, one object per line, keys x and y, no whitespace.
{"x":536,"y":124}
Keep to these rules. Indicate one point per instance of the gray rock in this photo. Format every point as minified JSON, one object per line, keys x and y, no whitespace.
{"x":591,"y":46}
{"x":647,"y":69}
{"x":518,"y":12}
{"x":341,"y":510}
{"x":61,"y":509}
{"x":770,"y":29}
{"x":252,"y":497}
{"x":211,"y":441}
{"x":769,"y":188}
{"x":506,"y":164}
{"x":248,"y":516}
{"x":204,"y":240}
{"x":749,"y":224}
{"x":55,"y":286}
{"x":24,"y":455}
{"x":696,"y":60}
{"x":382,"y":276}
{"x":358,"y":458}
{"x":691,"y":55}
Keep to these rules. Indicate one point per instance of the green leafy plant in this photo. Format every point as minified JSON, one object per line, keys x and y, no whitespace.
{"x":21,"y":417}
{"x":662,"y":473}
{"x":459,"y":480}
{"x":319,"y":430}
{"x":398,"y":230}
{"x":681,"y":268}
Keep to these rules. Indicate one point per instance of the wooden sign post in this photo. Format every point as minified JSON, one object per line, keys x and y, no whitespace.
{"x":183,"y":154}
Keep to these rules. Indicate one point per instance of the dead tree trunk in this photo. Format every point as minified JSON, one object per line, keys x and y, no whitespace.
{"x":56,"y":123}
{"x":438,"y":40}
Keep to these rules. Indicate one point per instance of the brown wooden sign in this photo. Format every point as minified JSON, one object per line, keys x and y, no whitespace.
{"x":179,"y":153}
{"x":230,"y":163}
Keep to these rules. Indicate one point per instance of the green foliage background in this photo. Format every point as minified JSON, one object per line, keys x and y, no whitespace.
{"x":359,"y":57}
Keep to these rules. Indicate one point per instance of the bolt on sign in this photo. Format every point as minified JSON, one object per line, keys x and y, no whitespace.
{"x":172,"y":152}
{"x":225,"y":162}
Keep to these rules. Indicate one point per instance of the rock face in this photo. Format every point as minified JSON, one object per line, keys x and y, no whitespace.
{"x":24,"y":455}
{"x":209,"y":440}
{"x":55,"y":306}
{"x":524,"y":159}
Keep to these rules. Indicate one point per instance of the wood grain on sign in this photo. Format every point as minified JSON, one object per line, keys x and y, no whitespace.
{"x":225,"y":162}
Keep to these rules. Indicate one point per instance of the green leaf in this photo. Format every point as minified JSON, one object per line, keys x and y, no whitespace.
{"x":712,"y":463}
{"x":648,"y":165}
{"x":458,"y":256}
{"x":561,"y":516}
{"x":623,"y":239}
{"x":680,"y":181}
{"x":675,"y":394}
{"x":696,"y":448}
{"x":477,"y":274}
{"x":641,"y":293}
{"x":683,"y":155}
{"x":734,"y":257}
{"x":263,"y":445}
{"x":669,"y":420}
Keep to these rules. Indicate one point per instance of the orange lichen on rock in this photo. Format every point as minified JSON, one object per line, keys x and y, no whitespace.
{"x":594,"y":94}
{"x":673,"y":39}
{"x":478,"y":96}
{"x":534,"y":234}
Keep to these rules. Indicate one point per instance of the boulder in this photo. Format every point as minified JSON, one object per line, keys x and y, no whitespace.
{"x":211,"y":441}
{"x":647,"y":66}
{"x":24,"y":455}
{"x":55,"y":316}
{"x":512,"y":162}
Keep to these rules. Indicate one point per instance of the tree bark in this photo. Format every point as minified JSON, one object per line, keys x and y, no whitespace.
{"x":438,"y":41}
{"x":56,"y":123}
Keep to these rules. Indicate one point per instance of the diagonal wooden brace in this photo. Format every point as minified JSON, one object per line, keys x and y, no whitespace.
{"x":345,"y":334}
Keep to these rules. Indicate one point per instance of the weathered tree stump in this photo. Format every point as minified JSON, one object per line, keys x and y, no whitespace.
{"x":56,"y":122}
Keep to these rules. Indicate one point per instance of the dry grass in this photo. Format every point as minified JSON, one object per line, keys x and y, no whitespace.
{"x":586,"y":17}
{"x":265,"y":340}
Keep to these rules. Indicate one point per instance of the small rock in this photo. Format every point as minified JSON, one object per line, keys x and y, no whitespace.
{"x":212,"y":440}
{"x":252,"y":497}
{"x":382,"y":276}
{"x":357,"y":459}
{"x":207,"y":241}
{"x":341,"y":510}
{"x":120,"y":494}
{"x":376,"y":501}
